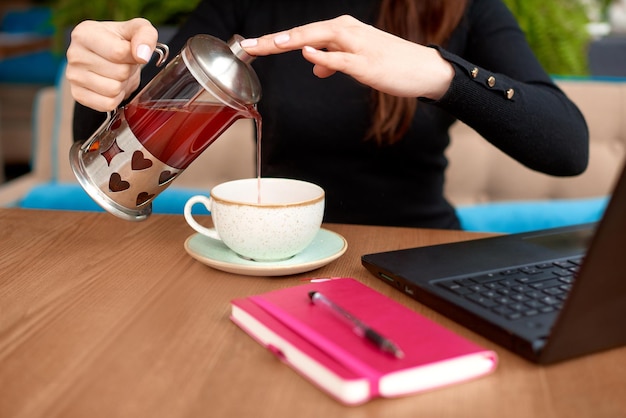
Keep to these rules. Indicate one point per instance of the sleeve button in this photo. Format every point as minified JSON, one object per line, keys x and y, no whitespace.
{"x":474,"y":72}
{"x":510,"y":93}
{"x":491,"y":81}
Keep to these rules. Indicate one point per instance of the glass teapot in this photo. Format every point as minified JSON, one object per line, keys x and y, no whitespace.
{"x":141,"y":148}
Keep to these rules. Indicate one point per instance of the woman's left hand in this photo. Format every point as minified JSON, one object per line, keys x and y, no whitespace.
{"x":373,"y":57}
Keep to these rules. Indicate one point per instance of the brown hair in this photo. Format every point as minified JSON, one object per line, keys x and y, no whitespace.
{"x":422,"y":21}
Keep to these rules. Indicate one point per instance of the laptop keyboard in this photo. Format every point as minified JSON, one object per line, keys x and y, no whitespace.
{"x":519,"y":292}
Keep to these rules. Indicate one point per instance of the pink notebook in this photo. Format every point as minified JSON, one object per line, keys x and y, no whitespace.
{"x":324,"y":348}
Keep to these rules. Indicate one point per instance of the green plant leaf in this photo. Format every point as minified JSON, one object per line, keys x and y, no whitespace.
{"x":557,"y":33}
{"x":68,"y":13}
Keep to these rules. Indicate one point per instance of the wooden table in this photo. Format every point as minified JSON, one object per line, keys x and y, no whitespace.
{"x":101,"y":317}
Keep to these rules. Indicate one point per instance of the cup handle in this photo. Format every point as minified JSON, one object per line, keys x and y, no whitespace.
{"x":206,"y":201}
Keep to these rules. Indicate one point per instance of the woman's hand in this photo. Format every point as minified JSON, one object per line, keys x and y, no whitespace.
{"x":104,"y":60}
{"x":373,"y":57}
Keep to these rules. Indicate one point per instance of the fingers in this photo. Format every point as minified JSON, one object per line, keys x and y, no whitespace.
{"x":334,"y":34}
{"x":143,"y":37}
{"x":102,"y":93}
{"x":266,"y":45}
{"x":331,"y":45}
{"x":323,"y":67}
{"x":104,"y":60}
{"x":130,"y":42}
{"x":371,"y":56}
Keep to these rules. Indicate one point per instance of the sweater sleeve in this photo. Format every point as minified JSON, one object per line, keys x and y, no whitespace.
{"x":501,"y":91}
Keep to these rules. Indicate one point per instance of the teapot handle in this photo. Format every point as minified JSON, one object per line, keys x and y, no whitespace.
{"x":163,"y":51}
{"x":88,"y":143}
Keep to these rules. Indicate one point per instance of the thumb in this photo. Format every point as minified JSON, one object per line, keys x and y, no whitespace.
{"x":142,"y":36}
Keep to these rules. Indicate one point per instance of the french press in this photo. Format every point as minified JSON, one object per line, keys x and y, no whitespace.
{"x":141,"y":148}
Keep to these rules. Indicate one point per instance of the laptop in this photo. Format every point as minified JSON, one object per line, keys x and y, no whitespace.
{"x":548,"y":295}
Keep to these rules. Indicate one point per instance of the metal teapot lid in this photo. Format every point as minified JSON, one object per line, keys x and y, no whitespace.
{"x":223,"y":68}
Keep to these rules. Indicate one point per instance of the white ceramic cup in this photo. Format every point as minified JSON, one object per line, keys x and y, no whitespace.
{"x":269,"y":219}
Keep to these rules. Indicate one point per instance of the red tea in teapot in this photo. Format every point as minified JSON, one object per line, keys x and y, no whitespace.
{"x":177,"y":135}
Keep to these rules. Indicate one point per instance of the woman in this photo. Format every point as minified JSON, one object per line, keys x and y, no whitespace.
{"x":370,"y":125}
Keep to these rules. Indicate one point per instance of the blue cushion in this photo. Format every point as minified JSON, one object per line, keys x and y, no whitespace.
{"x":40,"y":67}
{"x":505,"y":217}
{"x":71,"y":196}
{"x":522,"y":216}
{"x":37,"y":67}
{"x":59,"y":196}
{"x":37,"y":19}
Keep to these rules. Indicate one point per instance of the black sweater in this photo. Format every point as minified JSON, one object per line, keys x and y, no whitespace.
{"x":313,"y":129}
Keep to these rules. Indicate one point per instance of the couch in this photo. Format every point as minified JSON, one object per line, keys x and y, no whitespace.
{"x":491,"y":191}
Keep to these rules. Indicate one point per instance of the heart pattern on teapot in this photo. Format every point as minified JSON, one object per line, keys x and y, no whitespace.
{"x":143,"y":197}
{"x":116,"y":184}
{"x":121,"y":179}
{"x":139,"y":162}
{"x":166,"y":176}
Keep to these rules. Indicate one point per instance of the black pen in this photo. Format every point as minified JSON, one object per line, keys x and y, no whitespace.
{"x":359,"y":327}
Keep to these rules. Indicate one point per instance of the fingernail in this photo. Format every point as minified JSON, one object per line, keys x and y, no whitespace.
{"x":281,"y":39}
{"x":247,"y":43}
{"x":144,"y":52}
{"x":310,"y":49}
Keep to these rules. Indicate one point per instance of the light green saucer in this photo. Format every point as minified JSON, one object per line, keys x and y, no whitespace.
{"x":326,"y":247}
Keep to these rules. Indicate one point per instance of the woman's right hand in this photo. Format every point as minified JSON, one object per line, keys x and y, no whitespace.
{"x":104,"y":60}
